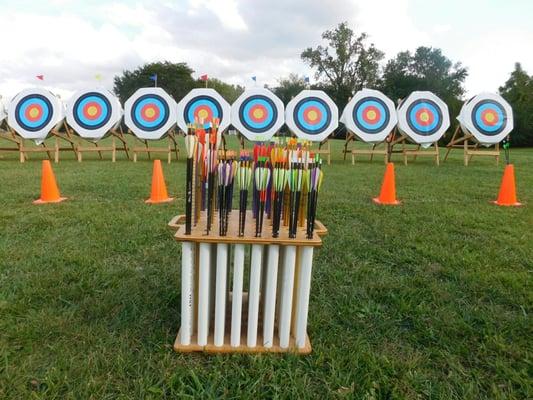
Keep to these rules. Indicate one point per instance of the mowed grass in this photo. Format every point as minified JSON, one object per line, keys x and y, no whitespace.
{"x":431,"y":299}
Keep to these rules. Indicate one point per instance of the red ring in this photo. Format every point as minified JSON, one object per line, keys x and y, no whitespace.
{"x":367,"y":110}
{"x":27,"y":112}
{"x":253,"y":117}
{"x":209,"y":112}
{"x":306,"y":115}
{"x":484,"y":117}
{"x":98,"y":110}
{"x":430,"y":119}
{"x":145,"y":108}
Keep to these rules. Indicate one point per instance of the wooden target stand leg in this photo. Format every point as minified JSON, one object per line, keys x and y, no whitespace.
{"x":375,"y":150}
{"x":20,"y":146}
{"x":94,"y":148}
{"x":470,"y":149}
{"x":10,"y":136}
{"x":67,"y":136}
{"x":119,"y":135}
{"x":432,"y":151}
{"x":149,"y":150}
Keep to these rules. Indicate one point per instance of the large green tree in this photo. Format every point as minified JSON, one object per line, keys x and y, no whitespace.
{"x":518,"y":91}
{"x":425,"y":69}
{"x":345,"y":64}
{"x":289,"y":87}
{"x":175,"y":78}
{"x":226,"y":90}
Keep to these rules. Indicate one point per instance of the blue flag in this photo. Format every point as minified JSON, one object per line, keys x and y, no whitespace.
{"x":306,"y":79}
{"x":153,"y":77}
{"x":254,"y":78}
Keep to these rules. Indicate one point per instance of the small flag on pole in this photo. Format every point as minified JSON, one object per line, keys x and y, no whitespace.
{"x":40,"y":77}
{"x":204,"y":77}
{"x":98,"y":77}
{"x":306,"y":79}
{"x":254,"y":78}
{"x":153,"y":77}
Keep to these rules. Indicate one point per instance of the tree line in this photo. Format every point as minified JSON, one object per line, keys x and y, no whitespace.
{"x":345,"y":63}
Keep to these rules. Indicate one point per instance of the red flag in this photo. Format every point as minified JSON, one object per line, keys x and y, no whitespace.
{"x":204,"y":77}
{"x":40,"y":77}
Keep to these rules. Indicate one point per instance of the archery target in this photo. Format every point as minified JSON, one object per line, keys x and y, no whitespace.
{"x":93,"y":112}
{"x":488,"y":117}
{"x":257,"y":114}
{"x":312,"y":115}
{"x":206,"y":105}
{"x":423,"y":117}
{"x":150,"y":113}
{"x":370,"y":115}
{"x":33,"y":113}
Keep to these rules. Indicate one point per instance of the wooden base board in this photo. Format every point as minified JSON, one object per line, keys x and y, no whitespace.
{"x":243,"y":348}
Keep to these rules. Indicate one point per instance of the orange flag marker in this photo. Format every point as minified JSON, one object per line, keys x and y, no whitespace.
{"x":49,"y":189}
{"x":159,"y":188}
{"x":387,"y":195}
{"x":507,"y":194}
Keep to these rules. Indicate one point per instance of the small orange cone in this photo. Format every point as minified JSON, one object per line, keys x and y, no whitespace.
{"x":388,"y":189}
{"x":159,"y":188}
{"x":49,"y":190}
{"x":507,"y":195}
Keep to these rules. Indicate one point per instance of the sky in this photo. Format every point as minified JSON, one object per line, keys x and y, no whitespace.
{"x":72,"y":41}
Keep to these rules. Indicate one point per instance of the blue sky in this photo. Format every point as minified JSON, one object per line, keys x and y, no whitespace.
{"x":71,"y":41}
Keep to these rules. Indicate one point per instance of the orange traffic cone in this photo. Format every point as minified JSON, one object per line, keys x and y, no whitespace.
{"x":388,"y":189}
{"x":507,"y":195}
{"x":49,"y":190}
{"x":159,"y":188}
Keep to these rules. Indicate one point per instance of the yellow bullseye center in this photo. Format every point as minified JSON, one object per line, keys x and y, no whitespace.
{"x":34,"y":112}
{"x":202,"y":114}
{"x":312,"y":115}
{"x":490,"y":117}
{"x":150,"y":112}
{"x":371,"y":115}
{"x":424,"y":116}
{"x":91,"y":111}
{"x":258,"y":113}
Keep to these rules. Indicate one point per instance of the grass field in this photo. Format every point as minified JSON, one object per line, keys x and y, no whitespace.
{"x":431,"y":299}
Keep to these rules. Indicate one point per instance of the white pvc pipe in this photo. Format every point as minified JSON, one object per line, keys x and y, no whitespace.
{"x":287,"y":285}
{"x":220,"y":299}
{"x":187,"y":292}
{"x":269,"y":313}
{"x":236,"y":307}
{"x":253,"y":294}
{"x":203,"y":292}
{"x":302,"y":297}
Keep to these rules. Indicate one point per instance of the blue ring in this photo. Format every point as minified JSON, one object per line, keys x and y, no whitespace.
{"x":364,"y":126}
{"x":149,"y":126}
{"x":481,"y":126}
{"x":299,"y":121}
{"x":24,"y":103}
{"x":194,"y":103}
{"x":421,"y":129}
{"x":80,"y":103}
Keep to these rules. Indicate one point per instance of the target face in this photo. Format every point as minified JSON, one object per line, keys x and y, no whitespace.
{"x":92,"y":113}
{"x":312,"y":115}
{"x":258,"y":114}
{"x":203,"y":105}
{"x":423,"y":117}
{"x":370,"y":115}
{"x":34,"y":112}
{"x":150,"y":113}
{"x":488,"y":117}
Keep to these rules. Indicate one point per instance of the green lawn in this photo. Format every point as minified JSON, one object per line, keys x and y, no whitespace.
{"x":431,"y":299}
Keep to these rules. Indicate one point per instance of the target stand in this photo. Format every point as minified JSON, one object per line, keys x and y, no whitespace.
{"x":484,"y":120}
{"x":375,"y":150}
{"x":369,"y":117}
{"x":150,"y":114}
{"x":423,"y":119}
{"x":470,"y":147}
{"x":93,"y":114}
{"x":221,"y":312}
{"x":171,"y":148}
